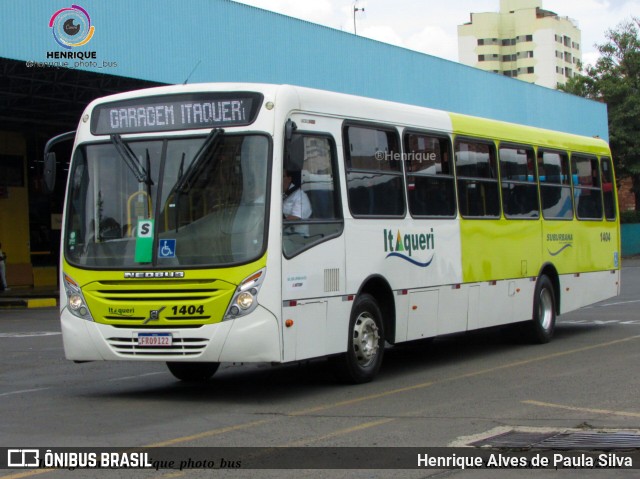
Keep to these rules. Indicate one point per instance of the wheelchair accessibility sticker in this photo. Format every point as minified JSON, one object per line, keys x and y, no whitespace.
{"x":167,"y":248}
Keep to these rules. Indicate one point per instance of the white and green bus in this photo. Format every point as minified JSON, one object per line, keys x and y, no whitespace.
{"x":407,"y":223}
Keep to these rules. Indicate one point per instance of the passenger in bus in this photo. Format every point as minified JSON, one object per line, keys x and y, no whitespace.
{"x":296,"y":204}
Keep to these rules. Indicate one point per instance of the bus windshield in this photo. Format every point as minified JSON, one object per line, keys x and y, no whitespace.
{"x":172,"y":202}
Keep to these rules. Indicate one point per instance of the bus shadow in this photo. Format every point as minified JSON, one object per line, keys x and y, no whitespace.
{"x":451,"y":350}
{"x":247,"y":384}
{"x":241,"y":384}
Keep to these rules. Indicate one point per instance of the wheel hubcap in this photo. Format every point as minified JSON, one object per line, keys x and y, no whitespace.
{"x":366,"y":339}
{"x":545,"y":311}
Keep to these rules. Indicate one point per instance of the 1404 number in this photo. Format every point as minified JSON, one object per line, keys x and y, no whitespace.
{"x":188,"y":310}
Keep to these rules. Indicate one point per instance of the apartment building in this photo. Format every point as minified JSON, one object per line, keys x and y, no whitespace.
{"x":522,"y":41}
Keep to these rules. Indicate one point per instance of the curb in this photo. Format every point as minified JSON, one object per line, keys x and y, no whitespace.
{"x":42,"y":303}
{"x":29,"y":303}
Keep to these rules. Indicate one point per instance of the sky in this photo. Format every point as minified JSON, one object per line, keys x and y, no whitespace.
{"x":430,"y":26}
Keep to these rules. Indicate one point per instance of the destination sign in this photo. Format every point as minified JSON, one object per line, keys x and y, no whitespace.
{"x":176,"y":112}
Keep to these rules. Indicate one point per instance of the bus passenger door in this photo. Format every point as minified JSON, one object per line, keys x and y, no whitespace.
{"x":313,"y":258}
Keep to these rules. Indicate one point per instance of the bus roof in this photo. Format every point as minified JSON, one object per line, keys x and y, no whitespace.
{"x":370,"y":109}
{"x":492,"y":129}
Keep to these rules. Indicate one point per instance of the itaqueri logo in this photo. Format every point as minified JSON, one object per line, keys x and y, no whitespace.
{"x":403,"y":246}
{"x":71,"y":27}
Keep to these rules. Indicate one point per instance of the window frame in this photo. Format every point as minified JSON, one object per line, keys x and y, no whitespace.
{"x":579,"y":188}
{"x":541,"y":150}
{"x":609,"y":160}
{"x":493,"y":180}
{"x":348,"y":169}
{"x":534,"y":184}
{"x":337,"y":197}
{"x":450,"y":176}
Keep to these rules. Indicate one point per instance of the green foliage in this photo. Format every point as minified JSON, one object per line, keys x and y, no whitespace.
{"x":615,"y":80}
{"x":630,"y":217}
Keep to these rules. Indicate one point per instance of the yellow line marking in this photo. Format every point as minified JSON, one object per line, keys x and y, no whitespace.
{"x":340,"y":432}
{"x":212,"y":432}
{"x":541,"y":358}
{"x":171,"y":475}
{"x":41,"y":303}
{"x":33,"y":472}
{"x":481,"y":372}
{"x":582,"y":409}
{"x":349,"y":402}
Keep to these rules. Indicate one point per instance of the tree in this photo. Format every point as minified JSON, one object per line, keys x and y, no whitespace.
{"x":615,"y":80}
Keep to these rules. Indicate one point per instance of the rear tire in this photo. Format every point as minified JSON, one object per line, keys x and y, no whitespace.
{"x":193,"y":371}
{"x":365,"y":349}
{"x":540,"y":329}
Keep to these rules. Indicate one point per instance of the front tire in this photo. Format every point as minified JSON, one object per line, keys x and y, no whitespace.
{"x":362,"y":361}
{"x":193,"y":371}
{"x":540,"y":329}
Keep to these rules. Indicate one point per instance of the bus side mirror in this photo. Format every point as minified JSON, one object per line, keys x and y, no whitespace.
{"x":50,"y":171}
{"x":289,"y":128}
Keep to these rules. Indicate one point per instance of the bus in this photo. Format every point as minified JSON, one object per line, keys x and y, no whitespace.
{"x":408,"y":223}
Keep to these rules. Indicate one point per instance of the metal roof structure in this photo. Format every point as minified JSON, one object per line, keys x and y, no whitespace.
{"x":53,"y":97}
{"x":137,"y":44}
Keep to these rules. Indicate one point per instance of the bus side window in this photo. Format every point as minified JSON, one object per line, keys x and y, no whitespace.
{"x":311,"y":159}
{"x":586,"y":187}
{"x":430,"y":182}
{"x":519,"y":183}
{"x":478,"y":194}
{"x":608,"y":188}
{"x":374,"y":171}
{"x":317,"y":178}
{"x":555,"y":187}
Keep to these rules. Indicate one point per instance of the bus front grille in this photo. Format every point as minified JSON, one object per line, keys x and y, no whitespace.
{"x":180,"y":347}
{"x":161,"y":303}
{"x":138,"y":295}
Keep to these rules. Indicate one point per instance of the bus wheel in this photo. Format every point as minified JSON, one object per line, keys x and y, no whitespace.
{"x":541,"y":327}
{"x":193,"y":371}
{"x":363,"y":358}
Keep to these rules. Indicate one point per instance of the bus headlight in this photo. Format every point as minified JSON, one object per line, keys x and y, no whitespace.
{"x":245,"y":299}
{"x":75,"y":300}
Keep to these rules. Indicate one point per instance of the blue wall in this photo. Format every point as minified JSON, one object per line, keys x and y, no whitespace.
{"x":630,"y":234}
{"x":162,"y":40}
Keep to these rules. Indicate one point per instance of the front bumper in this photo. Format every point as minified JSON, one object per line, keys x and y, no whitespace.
{"x":251,"y":338}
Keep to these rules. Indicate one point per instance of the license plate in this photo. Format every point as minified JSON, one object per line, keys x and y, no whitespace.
{"x":155,"y":339}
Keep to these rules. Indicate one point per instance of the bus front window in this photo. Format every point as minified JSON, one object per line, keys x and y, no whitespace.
{"x":203,"y":204}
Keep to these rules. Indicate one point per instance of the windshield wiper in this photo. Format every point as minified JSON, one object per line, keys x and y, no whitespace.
{"x":185,"y":178}
{"x":130,"y":159}
{"x":208,"y":146}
